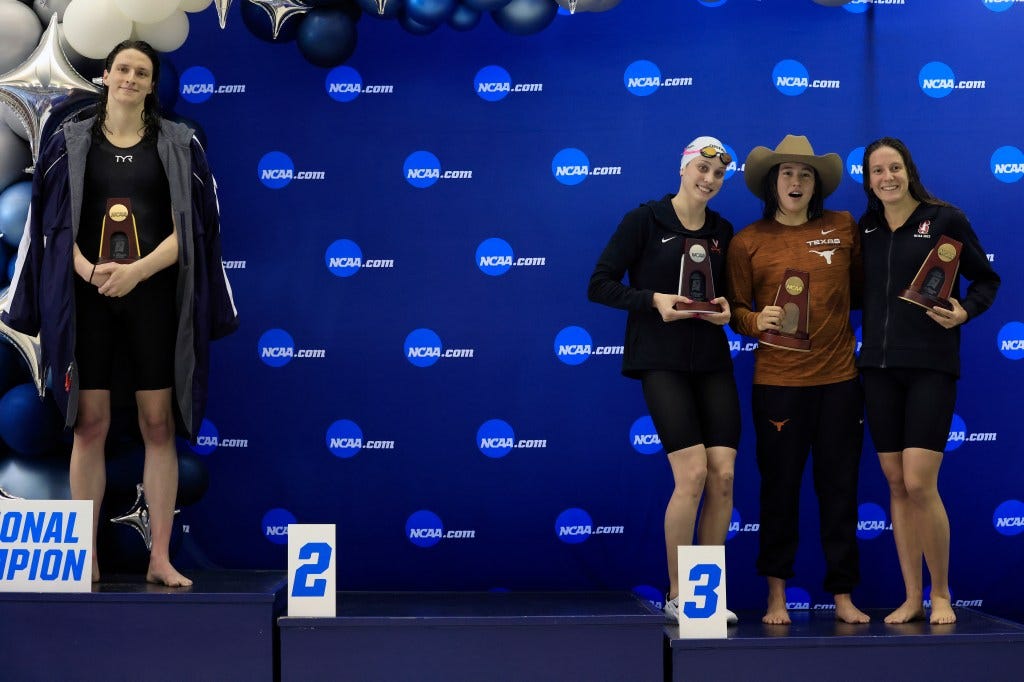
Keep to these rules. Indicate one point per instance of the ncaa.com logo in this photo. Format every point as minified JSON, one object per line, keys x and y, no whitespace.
{"x":422,"y":169}
{"x":1011,"y":340}
{"x":423,"y":348}
{"x":276,"y":169}
{"x":209,"y":440}
{"x":861,"y":6}
{"x":1008,"y":518}
{"x":275,"y":525}
{"x":571,"y":166}
{"x":425,"y":529}
{"x":737,"y":526}
{"x":276,"y":348}
{"x":1000,"y":5}
{"x":855,"y":164}
{"x":494,"y":257}
{"x":958,"y":435}
{"x":937,"y":80}
{"x":493,"y":83}
{"x":344,"y":258}
{"x":573,"y":346}
{"x":739,"y":344}
{"x":643,"y":78}
{"x":871,"y":521}
{"x":197,"y":85}
{"x":344,"y":84}
{"x":791,"y":78}
{"x":345,"y":439}
{"x":574,"y":525}
{"x":495,"y":438}
{"x":1007,"y":164}
{"x":644,"y":437}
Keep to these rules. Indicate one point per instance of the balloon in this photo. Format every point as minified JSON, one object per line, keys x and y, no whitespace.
{"x":90,"y":69}
{"x":14,"y":203}
{"x":415,"y":27}
{"x":147,"y":11}
{"x":429,"y":12}
{"x":587,"y":5}
{"x":522,"y":17}
{"x":327,"y":37}
{"x":47,"y":8}
{"x":166,"y":35}
{"x":12,"y":369}
{"x":261,"y":23}
{"x":464,"y":18}
{"x":35,"y":479}
{"x":19,"y":33}
{"x":380,"y":9}
{"x":27,"y":346}
{"x":350,"y":7}
{"x":193,"y":479}
{"x":194,"y":5}
{"x":222,"y":11}
{"x":94,"y":27}
{"x":277,"y":13}
{"x":42,"y":82}
{"x":485,"y":5}
{"x":15,"y":156}
{"x":30,"y":426}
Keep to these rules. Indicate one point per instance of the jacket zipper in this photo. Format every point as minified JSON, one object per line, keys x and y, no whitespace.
{"x":888,"y":298}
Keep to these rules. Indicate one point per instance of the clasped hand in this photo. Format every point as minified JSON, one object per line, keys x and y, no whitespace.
{"x":115,"y":279}
{"x":665,"y":304}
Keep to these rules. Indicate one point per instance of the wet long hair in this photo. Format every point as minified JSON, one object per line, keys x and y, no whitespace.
{"x":915,"y":186}
{"x":770,"y":192}
{"x":150,"y":106}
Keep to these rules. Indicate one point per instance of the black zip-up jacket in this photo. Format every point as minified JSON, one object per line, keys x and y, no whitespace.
{"x":648,"y":244}
{"x":897,"y":333}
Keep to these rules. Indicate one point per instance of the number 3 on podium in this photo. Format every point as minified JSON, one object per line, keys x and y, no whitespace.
{"x":702,"y":591}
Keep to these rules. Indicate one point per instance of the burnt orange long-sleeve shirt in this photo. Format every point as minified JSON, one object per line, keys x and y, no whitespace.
{"x":829,"y":249}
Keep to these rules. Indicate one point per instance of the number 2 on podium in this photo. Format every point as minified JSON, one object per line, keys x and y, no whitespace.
{"x":302,"y":587}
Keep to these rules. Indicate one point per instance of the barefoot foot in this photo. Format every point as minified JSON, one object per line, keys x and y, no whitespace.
{"x":847,"y":612}
{"x":942,"y":611}
{"x":777,"y":614}
{"x":908,"y":611}
{"x":165,"y":574}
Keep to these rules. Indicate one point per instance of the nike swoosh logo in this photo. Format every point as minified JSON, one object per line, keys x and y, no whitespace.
{"x":668,"y":239}
{"x":824,"y":232}
{"x":870,"y":231}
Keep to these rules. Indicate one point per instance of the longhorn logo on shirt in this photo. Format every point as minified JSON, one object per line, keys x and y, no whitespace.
{"x":924,"y":227}
{"x":827,"y":255}
{"x":778,"y":425}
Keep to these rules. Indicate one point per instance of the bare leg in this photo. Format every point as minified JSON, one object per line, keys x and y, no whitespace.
{"x":777,"y":613}
{"x":717,"y":510}
{"x":88,"y":472}
{"x":689,"y":471}
{"x":847,"y":612}
{"x":905,"y":533}
{"x":160,"y":480}
{"x":921,"y":472}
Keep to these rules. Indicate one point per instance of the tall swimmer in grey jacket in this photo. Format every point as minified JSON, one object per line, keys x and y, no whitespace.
{"x":682,"y":359}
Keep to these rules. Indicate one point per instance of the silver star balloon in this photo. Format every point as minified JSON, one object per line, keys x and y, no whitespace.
{"x":587,"y":5}
{"x":222,"y":11}
{"x":45,"y":84}
{"x":280,"y":11}
{"x":27,"y":345}
{"x":4,"y":495}
{"x":138,"y":517}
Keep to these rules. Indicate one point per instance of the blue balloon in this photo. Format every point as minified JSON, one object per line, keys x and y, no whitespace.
{"x":327,"y":37}
{"x":429,"y":12}
{"x":464,"y":18}
{"x":35,"y":479}
{"x":10,"y":267}
{"x":193,"y":479}
{"x":14,"y":203}
{"x":381,"y":9}
{"x":260,"y":24}
{"x":30,"y":426}
{"x":485,"y":5}
{"x":415,"y":27}
{"x":350,"y":7}
{"x":522,"y":17}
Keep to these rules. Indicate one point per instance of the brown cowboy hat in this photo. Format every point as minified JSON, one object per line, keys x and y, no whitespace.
{"x":795,"y":149}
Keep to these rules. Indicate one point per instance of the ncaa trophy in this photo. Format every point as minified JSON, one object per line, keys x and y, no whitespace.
{"x":934,"y":280}
{"x":695,"y":279}
{"x":119,"y":237}
{"x":793,"y":298}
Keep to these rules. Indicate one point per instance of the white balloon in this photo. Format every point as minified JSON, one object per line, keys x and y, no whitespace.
{"x":19,"y":34}
{"x":8,"y":116}
{"x":194,"y":5}
{"x":147,"y":11}
{"x":47,"y":8}
{"x":94,"y":27}
{"x":15,"y":155}
{"x":167,"y":35}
